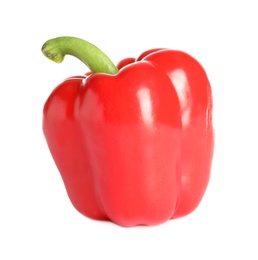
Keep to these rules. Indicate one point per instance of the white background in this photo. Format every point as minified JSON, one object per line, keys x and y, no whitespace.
{"x":37,"y":221}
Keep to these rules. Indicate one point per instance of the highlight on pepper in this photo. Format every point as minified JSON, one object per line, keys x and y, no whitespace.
{"x":133,"y":142}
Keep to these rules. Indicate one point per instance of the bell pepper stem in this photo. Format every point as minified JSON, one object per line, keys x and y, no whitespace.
{"x":56,"y":49}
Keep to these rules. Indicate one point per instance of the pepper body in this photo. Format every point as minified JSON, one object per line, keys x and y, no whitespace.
{"x":135,"y":147}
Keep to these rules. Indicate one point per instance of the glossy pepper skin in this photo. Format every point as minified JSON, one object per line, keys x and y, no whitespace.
{"x":133,"y":143}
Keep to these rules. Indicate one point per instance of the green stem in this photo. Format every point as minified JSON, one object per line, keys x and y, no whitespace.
{"x":55,"y":49}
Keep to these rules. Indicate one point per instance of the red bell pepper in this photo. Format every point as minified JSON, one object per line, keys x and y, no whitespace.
{"x":133,"y":143}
